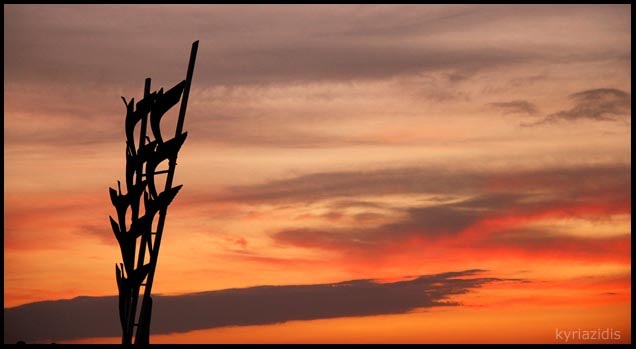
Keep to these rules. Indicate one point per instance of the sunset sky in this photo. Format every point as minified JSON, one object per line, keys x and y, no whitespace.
{"x":476,"y":155}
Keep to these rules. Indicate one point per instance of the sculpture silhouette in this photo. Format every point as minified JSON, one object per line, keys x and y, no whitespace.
{"x":136,"y":238}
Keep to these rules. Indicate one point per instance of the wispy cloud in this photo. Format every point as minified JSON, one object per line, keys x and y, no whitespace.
{"x":516,"y":107}
{"x":477,"y":204}
{"x":602,"y":104}
{"x":487,"y":222}
{"x":571,"y":180}
{"x":274,"y":44}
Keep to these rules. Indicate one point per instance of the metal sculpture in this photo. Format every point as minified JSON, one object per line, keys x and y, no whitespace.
{"x":137,"y":240}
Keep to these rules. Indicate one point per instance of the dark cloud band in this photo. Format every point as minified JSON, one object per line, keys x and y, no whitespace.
{"x":83,"y":317}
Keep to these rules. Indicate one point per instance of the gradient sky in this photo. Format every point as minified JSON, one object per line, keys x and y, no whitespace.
{"x":333,"y":143}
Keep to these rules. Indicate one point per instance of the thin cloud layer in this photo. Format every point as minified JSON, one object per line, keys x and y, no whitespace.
{"x":602,"y":104}
{"x":473,"y":202}
{"x":85,"y":57}
{"x":516,"y":107}
{"x":573,"y":180}
{"x":486,"y":222}
{"x":273,"y":44}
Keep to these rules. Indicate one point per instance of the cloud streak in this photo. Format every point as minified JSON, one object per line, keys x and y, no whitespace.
{"x":468,"y":205}
{"x":83,"y":317}
{"x":260,"y":47}
{"x":608,"y":179}
{"x":271,"y":44}
{"x":602,"y":104}
{"x":516,"y":107}
{"x":482,"y":223}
